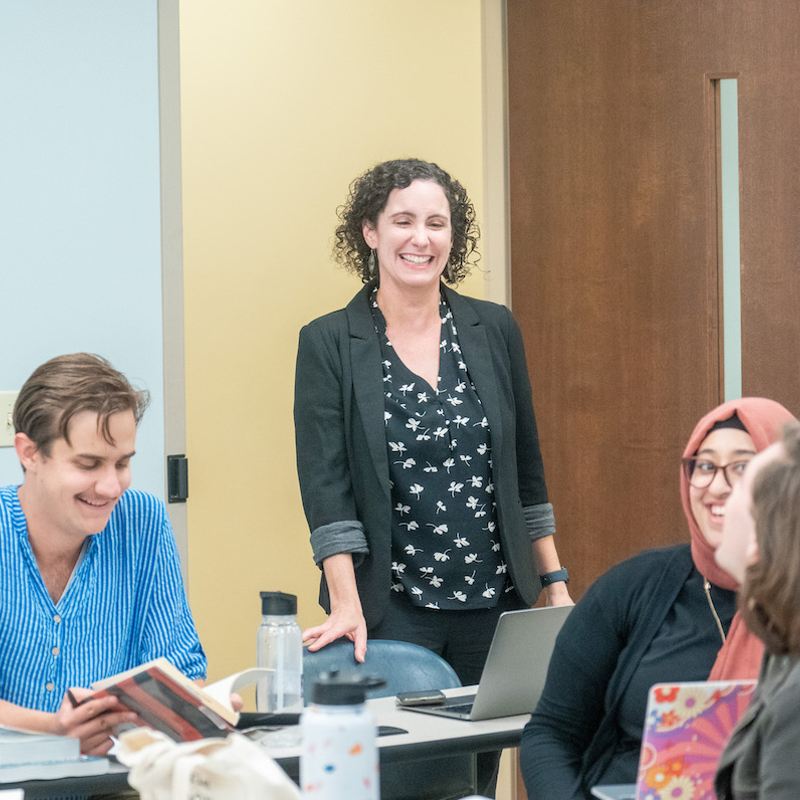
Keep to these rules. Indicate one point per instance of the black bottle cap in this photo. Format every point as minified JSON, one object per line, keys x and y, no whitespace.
{"x":332,"y":689}
{"x":278,"y":604}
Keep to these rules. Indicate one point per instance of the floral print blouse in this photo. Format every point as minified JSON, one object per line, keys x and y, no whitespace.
{"x":446,"y":550}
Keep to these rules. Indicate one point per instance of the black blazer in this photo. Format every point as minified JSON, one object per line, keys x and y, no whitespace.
{"x":342,"y":459}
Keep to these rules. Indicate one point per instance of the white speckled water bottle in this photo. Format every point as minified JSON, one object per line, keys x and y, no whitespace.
{"x":340,"y":754}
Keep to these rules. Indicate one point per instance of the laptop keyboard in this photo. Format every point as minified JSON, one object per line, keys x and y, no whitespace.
{"x":461,"y":708}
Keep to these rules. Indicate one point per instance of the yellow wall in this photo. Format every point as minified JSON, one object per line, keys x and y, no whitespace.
{"x":283,"y":104}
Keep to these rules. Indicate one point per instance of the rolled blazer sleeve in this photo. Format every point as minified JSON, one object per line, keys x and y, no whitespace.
{"x":322,"y":459}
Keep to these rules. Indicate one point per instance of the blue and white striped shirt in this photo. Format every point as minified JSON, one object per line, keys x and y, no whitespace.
{"x":124,"y":605}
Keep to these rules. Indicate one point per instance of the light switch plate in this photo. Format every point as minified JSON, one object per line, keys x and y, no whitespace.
{"x":7,"y":400}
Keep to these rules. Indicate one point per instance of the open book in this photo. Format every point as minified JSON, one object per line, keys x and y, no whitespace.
{"x":165,"y":699}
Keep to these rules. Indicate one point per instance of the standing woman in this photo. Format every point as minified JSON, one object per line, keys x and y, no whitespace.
{"x":417,"y":447}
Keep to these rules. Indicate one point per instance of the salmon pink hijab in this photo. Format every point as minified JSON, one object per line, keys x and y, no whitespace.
{"x":740,"y":656}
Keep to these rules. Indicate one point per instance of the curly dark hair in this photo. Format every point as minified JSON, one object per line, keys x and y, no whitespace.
{"x":368,"y":196}
{"x":770,"y":595}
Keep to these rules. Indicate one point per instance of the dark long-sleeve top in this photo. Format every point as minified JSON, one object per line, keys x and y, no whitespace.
{"x":342,"y":457}
{"x":645,"y":621}
{"x":760,"y":760}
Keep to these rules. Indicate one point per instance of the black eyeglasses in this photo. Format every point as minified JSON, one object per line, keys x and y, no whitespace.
{"x":700,"y":472}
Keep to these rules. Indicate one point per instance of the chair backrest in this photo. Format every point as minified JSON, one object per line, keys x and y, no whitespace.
{"x":405,"y":667}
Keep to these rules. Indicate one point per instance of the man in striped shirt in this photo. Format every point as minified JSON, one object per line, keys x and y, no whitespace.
{"x":90,"y":581}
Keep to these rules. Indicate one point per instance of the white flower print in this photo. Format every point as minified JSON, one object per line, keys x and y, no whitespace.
{"x":458,"y":596}
{"x":484,"y":423}
{"x":426,"y":571}
{"x":483,"y":449}
{"x":398,"y":587}
{"x":432,"y":605}
{"x":489,"y":592}
{"x":411,"y":550}
{"x":413,"y":424}
{"x":430,"y":467}
{"x":386,"y":416}
{"x":424,"y":436}
{"x":440,"y":506}
{"x":398,"y":567}
{"x":401,"y":509}
{"x":460,"y":541}
{"x":476,"y":481}
{"x":472,"y":558}
{"x":460,"y":387}
{"x":410,"y":525}
{"x":470,"y":579}
{"x":490,"y":485}
{"x":416,"y":590}
{"x":455,"y":488}
{"x":406,"y":388}
{"x":442,"y":556}
{"x":438,"y":529}
{"x":407,"y":464}
{"x":501,"y":569}
{"x":459,"y":420}
{"x":456,"y":347}
{"x":462,"y":365}
{"x":443,"y":344}
{"x":439,"y":433}
{"x":495,"y":546}
{"x":466,"y":459}
{"x":490,"y":526}
{"x":454,"y":401}
{"x":453,"y":444}
{"x":448,"y":464}
{"x":422,"y":397}
{"x":416,"y":490}
{"x":435,"y":581}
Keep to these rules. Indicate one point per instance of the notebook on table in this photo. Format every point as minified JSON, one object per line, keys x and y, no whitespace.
{"x":686,"y":728}
{"x":516,"y":667}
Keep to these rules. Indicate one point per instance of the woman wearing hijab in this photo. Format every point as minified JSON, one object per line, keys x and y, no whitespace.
{"x":664,"y":615}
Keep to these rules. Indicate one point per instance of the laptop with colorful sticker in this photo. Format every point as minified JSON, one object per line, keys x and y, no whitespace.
{"x":686,"y":728}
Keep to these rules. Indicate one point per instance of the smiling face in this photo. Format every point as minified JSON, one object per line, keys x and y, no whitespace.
{"x":71,"y":492}
{"x":738,"y":548}
{"x":412,"y":237}
{"x":721,"y":447}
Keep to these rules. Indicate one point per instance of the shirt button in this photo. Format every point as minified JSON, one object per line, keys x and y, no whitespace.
{"x":56,"y":651}
{"x":56,"y":619}
{"x":49,"y":687}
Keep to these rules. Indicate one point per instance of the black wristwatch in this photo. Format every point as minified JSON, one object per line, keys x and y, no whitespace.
{"x":554,"y":577}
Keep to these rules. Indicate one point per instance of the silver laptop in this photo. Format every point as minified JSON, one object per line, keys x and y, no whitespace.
{"x":516,"y":667}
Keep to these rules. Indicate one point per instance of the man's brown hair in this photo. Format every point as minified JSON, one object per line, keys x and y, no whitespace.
{"x":67,"y":385}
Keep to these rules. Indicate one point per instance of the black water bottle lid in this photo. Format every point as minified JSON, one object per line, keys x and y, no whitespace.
{"x":278,"y":604}
{"x":332,"y":689}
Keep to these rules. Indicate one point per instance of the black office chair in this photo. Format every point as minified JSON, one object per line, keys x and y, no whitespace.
{"x":406,"y":668}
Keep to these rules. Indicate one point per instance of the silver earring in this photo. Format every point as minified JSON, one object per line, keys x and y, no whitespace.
{"x":371,"y":266}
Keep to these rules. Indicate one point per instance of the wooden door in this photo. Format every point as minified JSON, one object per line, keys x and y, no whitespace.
{"x":614,"y":243}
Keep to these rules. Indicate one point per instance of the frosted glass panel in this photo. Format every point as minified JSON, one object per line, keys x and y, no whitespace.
{"x":731,"y":264}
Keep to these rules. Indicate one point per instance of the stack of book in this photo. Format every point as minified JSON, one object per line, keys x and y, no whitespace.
{"x":26,"y":756}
